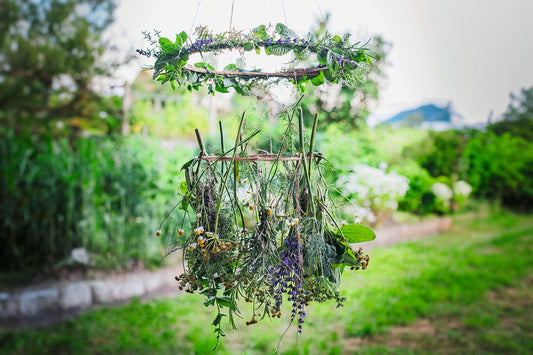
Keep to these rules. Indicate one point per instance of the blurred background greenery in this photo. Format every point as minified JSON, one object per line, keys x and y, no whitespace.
{"x":83,"y":167}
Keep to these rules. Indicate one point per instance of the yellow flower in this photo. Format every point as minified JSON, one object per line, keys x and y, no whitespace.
{"x":199,"y":230}
{"x":269,"y":212}
{"x":198,"y":215}
{"x":201,"y":242}
{"x":192,"y":246}
{"x":181,"y":232}
{"x":293,"y":222}
{"x":209,"y":234}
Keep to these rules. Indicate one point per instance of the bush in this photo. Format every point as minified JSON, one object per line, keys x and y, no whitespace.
{"x":375,"y":192}
{"x":501,"y":168}
{"x":419,"y":199}
{"x":440,"y":153}
{"x":106,"y":195}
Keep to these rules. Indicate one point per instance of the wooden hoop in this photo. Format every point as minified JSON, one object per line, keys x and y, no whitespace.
{"x":255,"y":157}
{"x":293,"y":73}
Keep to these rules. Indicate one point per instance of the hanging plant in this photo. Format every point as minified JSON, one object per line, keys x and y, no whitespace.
{"x":334,"y":58}
{"x":260,"y":226}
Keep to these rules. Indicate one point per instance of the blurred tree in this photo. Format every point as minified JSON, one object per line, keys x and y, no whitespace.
{"x":348,"y":106}
{"x":441,"y":153}
{"x":50,"y":53}
{"x":518,"y":119}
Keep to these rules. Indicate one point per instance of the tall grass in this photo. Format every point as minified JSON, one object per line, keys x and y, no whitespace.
{"x":104,"y":194}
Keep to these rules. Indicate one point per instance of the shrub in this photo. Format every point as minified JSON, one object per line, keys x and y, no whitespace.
{"x":375,"y":192}
{"x":419,"y":198}
{"x":461,"y":191}
{"x":440,"y":153}
{"x":501,"y":167}
{"x":106,"y":195}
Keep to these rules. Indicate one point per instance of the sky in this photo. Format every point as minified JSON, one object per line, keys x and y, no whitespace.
{"x":470,"y":53}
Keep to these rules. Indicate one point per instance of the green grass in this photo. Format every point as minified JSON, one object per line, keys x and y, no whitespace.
{"x":455,"y":282}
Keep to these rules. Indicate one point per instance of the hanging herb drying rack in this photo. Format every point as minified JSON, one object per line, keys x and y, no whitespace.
{"x":261,"y":227}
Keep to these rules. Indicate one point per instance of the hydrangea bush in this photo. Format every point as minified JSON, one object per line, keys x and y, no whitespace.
{"x":374,"y":191}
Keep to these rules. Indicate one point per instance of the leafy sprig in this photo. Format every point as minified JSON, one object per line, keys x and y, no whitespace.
{"x":332,"y":58}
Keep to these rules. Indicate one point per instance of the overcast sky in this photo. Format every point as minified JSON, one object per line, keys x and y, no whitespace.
{"x":471,"y":53}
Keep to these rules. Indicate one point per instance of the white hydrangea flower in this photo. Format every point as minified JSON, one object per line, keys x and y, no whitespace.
{"x":442,"y":191}
{"x":462,"y":188}
{"x":374,"y":189}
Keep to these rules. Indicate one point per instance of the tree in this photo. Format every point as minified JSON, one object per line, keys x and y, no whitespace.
{"x":50,"y":51}
{"x":518,"y":119}
{"x":349,"y":106}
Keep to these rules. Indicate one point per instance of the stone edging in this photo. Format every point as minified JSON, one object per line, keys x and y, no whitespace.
{"x":60,"y":299}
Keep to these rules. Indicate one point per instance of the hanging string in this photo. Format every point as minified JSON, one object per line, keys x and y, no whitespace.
{"x":284,"y":12}
{"x":195,"y":15}
{"x":320,"y":11}
{"x":231,"y":16}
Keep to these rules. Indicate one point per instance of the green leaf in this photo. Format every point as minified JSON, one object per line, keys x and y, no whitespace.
{"x":328,"y":76}
{"x":183,"y":187}
{"x":181,"y":38}
{"x":241,"y":64}
{"x":209,"y":292}
{"x":329,"y":58}
{"x":322,"y":55}
{"x":220,"y":87}
{"x":169,"y":47}
{"x":360,"y":57}
{"x":285,"y":31}
{"x":163,"y":41}
{"x":319,"y":79}
{"x":187,"y":164}
{"x":357,"y":233}
{"x":279,"y":50}
{"x":257,"y":50}
{"x":210,"y":301}
{"x":260,"y":32}
{"x":230,"y":67}
{"x":224,"y":301}
{"x":218,"y":319}
{"x":227,"y":82}
{"x":248,"y":46}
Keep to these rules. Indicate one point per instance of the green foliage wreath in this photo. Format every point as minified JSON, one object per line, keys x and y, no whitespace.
{"x":334,"y":59}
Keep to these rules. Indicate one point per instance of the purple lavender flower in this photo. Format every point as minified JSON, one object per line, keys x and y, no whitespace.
{"x":287,"y":278}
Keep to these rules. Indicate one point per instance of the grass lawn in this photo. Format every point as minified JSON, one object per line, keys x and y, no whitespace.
{"x":466,"y":291}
